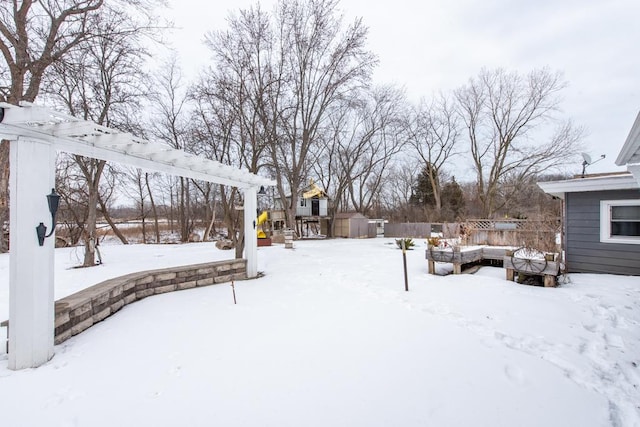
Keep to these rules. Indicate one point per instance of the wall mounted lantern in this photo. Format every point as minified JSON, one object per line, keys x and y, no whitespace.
{"x":41,"y":230}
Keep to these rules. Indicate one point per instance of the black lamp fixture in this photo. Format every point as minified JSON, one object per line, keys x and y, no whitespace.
{"x":262,"y":191}
{"x":41,"y":230}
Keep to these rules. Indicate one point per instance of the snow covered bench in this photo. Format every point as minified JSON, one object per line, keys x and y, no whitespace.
{"x":546,"y":265}
{"x":461,"y":255}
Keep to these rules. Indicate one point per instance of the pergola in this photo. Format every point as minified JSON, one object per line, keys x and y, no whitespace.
{"x":35,"y":134}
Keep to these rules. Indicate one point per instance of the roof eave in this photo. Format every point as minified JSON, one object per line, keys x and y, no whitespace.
{"x":630,"y":152}
{"x":600,"y":183}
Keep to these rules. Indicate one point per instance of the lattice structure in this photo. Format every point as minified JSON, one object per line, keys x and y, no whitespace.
{"x":539,"y":234}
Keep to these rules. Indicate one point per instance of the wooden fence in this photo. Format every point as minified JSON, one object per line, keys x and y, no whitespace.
{"x":408,"y":229}
{"x":540,"y":234}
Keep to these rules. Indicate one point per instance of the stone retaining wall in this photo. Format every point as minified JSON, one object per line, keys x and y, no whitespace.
{"x":81,"y":310}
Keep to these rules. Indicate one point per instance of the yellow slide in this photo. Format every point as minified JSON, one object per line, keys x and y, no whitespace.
{"x":261,"y":219}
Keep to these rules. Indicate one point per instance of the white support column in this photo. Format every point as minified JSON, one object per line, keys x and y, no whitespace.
{"x":250,"y":234}
{"x":31,"y":287}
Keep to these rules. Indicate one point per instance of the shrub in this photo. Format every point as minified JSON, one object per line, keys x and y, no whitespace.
{"x":433,"y":241}
{"x":408,"y":243}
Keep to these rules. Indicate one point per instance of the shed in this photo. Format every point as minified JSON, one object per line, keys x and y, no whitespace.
{"x":601,"y":227}
{"x":352,"y":225}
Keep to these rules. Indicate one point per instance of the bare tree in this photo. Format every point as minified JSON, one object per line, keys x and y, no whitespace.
{"x":324,"y":63}
{"x":508,"y":118}
{"x":276,"y":78}
{"x":361,"y":139}
{"x":135,"y":187}
{"x":216,"y":132}
{"x":245,"y":80}
{"x":397,"y":191}
{"x":434,"y":133}
{"x":170,"y":124}
{"x":154,"y":210}
{"x":208,"y":192}
{"x":34,"y":35}
{"x":237,"y":102}
{"x":102,"y":81}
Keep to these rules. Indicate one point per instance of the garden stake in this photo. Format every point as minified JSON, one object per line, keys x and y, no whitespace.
{"x":233,"y":288}
{"x":404,"y":263}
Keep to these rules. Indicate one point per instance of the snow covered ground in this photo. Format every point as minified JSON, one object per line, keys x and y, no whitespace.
{"x":329,"y":337}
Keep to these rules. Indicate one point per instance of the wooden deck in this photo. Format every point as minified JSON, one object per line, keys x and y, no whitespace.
{"x":459,"y":256}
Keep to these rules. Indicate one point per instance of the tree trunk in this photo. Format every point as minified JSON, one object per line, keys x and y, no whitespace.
{"x":171,"y":209}
{"x":211,"y":226}
{"x":4,"y":195}
{"x":144,"y":228}
{"x":114,"y":227}
{"x":239,"y":244}
{"x":92,"y":171}
{"x":153,"y":208}
{"x":184,"y":228}
{"x":90,"y":229}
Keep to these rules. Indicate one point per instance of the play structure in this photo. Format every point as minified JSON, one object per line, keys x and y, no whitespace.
{"x":311,"y":216}
{"x":263,"y":229}
{"x":262,"y":218}
{"x":311,"y":212}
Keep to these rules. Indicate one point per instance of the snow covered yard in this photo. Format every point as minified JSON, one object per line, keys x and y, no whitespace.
{"x":329,"y":337}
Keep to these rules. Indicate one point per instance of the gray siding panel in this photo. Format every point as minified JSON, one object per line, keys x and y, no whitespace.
{"x":584,"y":252}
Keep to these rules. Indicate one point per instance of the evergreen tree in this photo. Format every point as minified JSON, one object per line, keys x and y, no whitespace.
{"x":423,"y":190}
{"x":453,"y":203}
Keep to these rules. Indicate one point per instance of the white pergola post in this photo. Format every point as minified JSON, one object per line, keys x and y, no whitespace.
{"x":31,"y":289}
{"x":250,"y":234}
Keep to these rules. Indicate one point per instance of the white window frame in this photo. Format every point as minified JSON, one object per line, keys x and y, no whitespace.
{"x":605,"y":222}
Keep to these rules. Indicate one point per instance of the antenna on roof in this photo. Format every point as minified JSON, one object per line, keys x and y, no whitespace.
{"x":587,"y":161}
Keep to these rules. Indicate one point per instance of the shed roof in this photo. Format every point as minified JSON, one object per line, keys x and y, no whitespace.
{"x":350,"y":215}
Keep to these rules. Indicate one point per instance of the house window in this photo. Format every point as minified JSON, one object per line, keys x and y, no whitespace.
{"x":303,"y":203}
{"x":620,"y":221}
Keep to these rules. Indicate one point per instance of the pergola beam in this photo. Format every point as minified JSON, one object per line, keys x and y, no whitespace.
{"x":67,"y":133}
{"x":35,"y":133}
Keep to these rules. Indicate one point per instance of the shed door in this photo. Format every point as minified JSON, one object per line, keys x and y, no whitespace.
{"x":315,"y":207}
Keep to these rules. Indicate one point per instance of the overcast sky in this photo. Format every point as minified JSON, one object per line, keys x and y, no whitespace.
{"x":430,"y":45}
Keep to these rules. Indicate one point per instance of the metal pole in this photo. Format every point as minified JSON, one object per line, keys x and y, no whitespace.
{"x":233,"y":288}
{"x":404,"y":263}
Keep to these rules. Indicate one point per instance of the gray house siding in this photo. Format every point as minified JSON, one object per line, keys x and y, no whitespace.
{"x":584,"y":251}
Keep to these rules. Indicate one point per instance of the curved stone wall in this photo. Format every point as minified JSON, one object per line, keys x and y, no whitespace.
{"x":78,"y":312}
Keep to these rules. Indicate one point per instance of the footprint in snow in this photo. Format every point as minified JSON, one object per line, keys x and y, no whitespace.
{"x":614,"y":340}
{"x":514,"y":374}
{"x":592,"y":328}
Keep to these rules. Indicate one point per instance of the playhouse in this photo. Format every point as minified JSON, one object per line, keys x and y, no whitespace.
{"x":312,"y":217}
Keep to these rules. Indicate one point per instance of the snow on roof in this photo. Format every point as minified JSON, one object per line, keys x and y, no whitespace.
{"x":600,"y":182}
{"x":344,"y":215}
